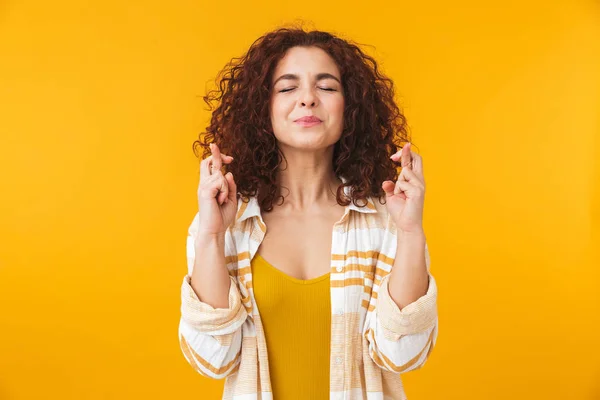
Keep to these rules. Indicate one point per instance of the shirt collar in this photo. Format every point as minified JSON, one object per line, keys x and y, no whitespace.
{"x":252,"y":208}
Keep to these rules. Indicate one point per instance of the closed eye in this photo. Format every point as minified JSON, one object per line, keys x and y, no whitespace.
{"x":326,"y":89}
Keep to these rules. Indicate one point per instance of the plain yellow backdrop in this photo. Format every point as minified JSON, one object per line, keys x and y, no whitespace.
{"x":100,"y":103}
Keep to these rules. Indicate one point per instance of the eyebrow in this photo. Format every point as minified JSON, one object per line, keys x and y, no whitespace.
{"x":321,"y":76}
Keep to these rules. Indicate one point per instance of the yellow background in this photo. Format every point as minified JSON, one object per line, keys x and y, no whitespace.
{"x":100,"y":103}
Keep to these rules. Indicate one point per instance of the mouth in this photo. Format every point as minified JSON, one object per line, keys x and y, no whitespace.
{"x":308,"y":121}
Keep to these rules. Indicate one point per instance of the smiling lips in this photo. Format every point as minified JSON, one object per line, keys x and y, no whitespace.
{"x":308,"y":121}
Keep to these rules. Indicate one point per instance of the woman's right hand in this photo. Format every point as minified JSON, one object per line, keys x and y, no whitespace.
{"x":217,"y":195}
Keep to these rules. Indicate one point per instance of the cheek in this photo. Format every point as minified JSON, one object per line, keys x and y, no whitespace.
{"x":336,"y":108}
{"x":279,"y":109}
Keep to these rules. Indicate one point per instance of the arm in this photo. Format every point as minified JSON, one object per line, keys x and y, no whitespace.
{"x":210,"y":328}
{"x":401,"y":333}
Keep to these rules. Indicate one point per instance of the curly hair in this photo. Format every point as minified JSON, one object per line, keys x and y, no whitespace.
{"x":373,"y":125}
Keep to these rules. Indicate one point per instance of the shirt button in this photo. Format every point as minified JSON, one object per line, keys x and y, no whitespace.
{"x":339,"y":269}
{"x":339,"y":311}
{"x":338,"y":360}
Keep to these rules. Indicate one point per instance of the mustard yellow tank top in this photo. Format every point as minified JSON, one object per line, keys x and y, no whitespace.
{"x":296,"y":316}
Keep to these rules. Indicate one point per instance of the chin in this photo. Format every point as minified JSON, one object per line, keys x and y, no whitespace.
{"x":314,"y":142}
{"x":308,"y":138}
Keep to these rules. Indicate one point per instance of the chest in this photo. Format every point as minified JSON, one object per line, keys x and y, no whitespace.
{"x":298,"y":246}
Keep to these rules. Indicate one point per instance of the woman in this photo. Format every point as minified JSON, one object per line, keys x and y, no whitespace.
{"x":338,"y":267}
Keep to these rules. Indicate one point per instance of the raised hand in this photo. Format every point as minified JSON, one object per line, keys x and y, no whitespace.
{"x":217,"y":194}
{"x":406,"y":197}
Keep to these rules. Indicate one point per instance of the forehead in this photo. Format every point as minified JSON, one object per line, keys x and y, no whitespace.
{"x":302,"y":60}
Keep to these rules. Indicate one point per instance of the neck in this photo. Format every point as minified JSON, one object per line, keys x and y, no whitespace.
{"x":307,"y":181}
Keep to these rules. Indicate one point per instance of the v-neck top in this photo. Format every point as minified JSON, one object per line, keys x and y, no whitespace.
{"x":296,"y":317}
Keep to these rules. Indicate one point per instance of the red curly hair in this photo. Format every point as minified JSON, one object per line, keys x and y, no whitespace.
{"x":374,"y":126}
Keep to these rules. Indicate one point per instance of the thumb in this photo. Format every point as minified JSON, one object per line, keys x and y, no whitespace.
{"x":232,"y":187}
{"x":388,"y":188}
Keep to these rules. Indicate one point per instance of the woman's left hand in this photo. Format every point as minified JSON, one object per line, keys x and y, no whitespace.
{"x":405,"y":198}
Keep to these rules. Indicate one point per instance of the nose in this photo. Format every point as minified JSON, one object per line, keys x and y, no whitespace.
{"x":308,"y":97}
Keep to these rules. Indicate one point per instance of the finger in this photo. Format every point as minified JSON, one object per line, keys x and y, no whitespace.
{"x":223,"y":190}
{"x":410,"y":176}
{"x":210,"y":187}
{"x":216,"y":161}
{"x":406,"y":159}
{"x":397,"y":155}
{"x":232,"y":188}
{"x":388,"y":188}
{"x":204,"y":168}
{"x":224,"y":159}
{"x":418,"y":167}
{"x":400,"y":154}
{"x":402,"y":187}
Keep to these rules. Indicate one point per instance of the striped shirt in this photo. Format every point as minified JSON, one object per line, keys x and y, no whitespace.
{"x":372,"y":340}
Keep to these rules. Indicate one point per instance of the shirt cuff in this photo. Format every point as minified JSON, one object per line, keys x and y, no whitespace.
{"x":415,"y":317}
{"x":204,"y":317}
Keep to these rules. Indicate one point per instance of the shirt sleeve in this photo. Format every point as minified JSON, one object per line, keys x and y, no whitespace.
{"x":210,"y":338}
{"x":401,"y":340}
